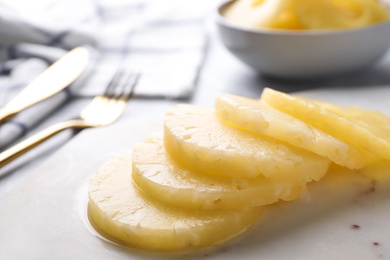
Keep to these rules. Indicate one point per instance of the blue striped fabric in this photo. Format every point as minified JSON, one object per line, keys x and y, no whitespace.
{"x":164,"y":39}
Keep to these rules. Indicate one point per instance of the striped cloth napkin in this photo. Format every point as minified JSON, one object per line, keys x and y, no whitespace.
{"x":163,"y":39}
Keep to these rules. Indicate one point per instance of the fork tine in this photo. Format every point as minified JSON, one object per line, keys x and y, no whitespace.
{"x":117,"y":91}
{"x":122,"y":85}
{"x":129,"y":85}
{"x":115,"y":80}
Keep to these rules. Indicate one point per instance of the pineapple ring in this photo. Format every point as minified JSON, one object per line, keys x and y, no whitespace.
{"x":159,"y":176}
{"x":253,"y":115}
{"x":125,"y":215}
{"x":366,"y":130}
{"x":197,"y":139}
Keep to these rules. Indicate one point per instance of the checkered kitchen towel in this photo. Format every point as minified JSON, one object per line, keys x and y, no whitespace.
{"x":164,"y":39}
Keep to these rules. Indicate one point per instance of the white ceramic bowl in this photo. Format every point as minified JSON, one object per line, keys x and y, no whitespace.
{"x":304,"y":54}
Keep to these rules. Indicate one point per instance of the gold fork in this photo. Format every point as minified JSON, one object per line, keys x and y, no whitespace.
{"x":101,"y":111}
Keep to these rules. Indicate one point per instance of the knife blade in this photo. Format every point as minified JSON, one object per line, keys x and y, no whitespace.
{"x":54,"y":79}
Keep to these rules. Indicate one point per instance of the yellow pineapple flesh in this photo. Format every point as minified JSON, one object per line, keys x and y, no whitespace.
{"x":197,"y":139}
{"x":258,"y":117}
{"x":368,"y":131}
{"x":121,"y":212}
{"x":158,"y":175}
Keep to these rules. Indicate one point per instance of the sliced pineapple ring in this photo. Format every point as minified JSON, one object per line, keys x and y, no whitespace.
{"x":255,"y":116}
{"x":197,"y":139}
{"x":365,"y":130}
{"x":123,"y":213}
{"x":159,"y":176}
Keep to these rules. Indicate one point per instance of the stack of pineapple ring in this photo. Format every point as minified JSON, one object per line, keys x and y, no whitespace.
{"x":205,"y":179}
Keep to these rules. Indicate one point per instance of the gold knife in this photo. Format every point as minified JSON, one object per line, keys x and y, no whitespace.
{"x":54,"y":79}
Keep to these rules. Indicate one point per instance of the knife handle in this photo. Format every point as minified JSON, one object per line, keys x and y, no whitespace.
{"x":54,"y":79}
{"x":6,"y":115}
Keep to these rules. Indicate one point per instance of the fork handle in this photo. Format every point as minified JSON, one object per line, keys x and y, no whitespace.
{"x":21,"y":148}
